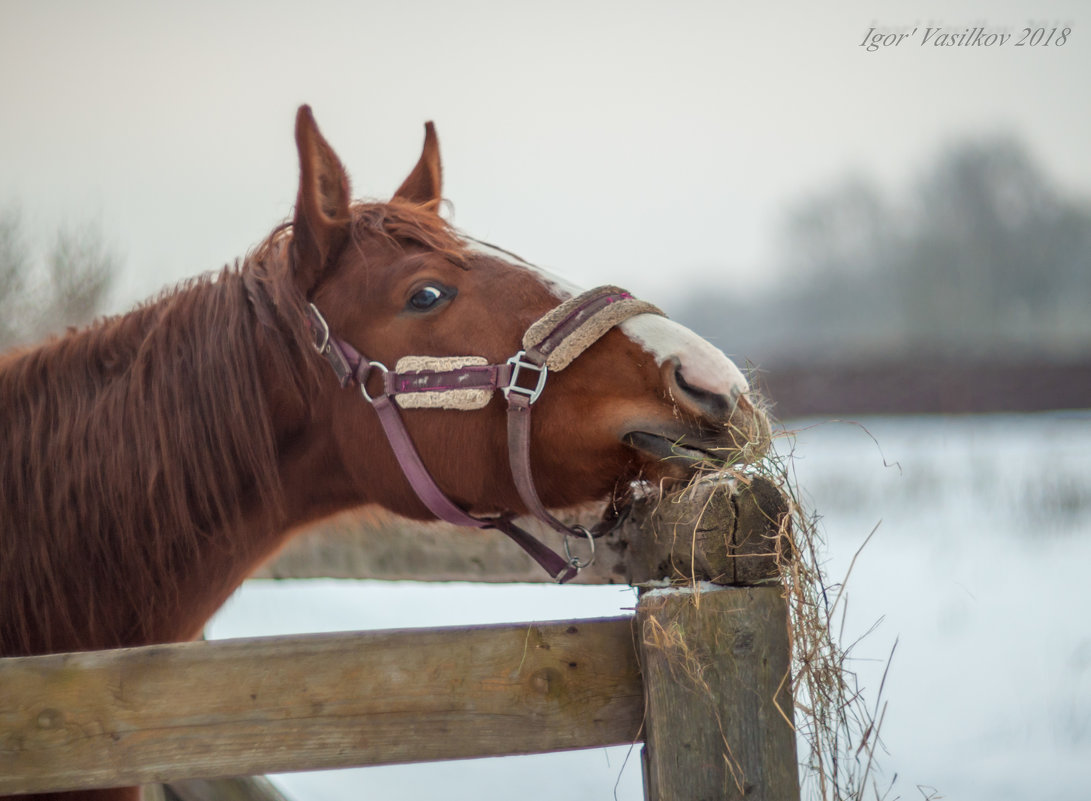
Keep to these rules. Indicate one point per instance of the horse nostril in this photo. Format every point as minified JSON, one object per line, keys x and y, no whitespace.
{"x":707,"y":403}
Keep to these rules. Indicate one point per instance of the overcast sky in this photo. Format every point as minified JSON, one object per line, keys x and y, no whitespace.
{"x":644,"y":143}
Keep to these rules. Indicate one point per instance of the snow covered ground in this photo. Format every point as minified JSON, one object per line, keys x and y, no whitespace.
{"x":979,"y":570}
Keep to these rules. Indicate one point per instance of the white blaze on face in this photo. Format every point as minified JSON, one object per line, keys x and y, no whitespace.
{"x":703,"y":365}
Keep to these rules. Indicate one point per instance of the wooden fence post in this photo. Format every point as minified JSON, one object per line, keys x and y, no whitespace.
{"x":719,"y":706}
{"x":716,"y":659}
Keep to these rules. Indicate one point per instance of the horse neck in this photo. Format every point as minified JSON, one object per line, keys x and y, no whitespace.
{"x":145,"y":470}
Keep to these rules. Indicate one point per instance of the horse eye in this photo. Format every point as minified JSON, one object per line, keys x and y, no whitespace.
{"x":427,"y":297}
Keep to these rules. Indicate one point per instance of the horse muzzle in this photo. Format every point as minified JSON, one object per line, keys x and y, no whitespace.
{"x":707,"y":429}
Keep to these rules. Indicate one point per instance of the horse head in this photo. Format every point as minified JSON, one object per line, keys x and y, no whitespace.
{"x":645,"y":398}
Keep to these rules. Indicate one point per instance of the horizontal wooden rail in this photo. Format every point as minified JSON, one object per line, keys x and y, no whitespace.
{"x":241,"y":707}
{"x":725,"y":531}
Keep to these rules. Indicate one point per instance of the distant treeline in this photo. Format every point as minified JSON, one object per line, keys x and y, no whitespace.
{"x":981,"y":260}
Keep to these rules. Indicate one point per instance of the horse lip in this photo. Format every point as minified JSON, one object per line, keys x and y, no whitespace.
{"x":664,"y":446}
{"x":735,"y":442}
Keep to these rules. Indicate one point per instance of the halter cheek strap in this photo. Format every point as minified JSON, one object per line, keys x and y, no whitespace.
{"x":551,"y":343}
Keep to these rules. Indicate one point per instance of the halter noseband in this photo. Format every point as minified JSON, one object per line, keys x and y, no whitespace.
{"x":468,"y":382}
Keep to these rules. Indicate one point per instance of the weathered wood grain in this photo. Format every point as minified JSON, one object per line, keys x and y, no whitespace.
{"x":252,"y":788}
{"x":717,"y":697}
{"x":762,"y":525}
{"x":157,"y":714}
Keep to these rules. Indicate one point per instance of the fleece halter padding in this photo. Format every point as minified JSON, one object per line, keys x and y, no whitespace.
{"x":562,"y":334}
{"x":453,"y":395}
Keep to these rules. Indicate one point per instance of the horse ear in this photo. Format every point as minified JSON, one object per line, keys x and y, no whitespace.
{"x":425,"y":184}
{"x":322,"y":214}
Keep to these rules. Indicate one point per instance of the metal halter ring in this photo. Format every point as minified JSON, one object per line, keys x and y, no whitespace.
{"x":367,"y":374}
{"x":574,"y":561}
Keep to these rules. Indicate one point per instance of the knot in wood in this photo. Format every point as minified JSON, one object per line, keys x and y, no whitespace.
{"x":742,"y":642}
{"x":50,"y":719}
{"x":546,"y":682}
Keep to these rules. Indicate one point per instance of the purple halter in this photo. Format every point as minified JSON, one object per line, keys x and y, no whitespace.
{"x":549,"y":344}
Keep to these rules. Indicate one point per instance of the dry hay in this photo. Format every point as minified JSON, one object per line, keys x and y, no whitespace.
{"x":837,"y":726}
{"x":837,"y":723}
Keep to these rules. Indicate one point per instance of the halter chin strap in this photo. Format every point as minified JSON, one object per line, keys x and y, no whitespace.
{"x":468,"y":382}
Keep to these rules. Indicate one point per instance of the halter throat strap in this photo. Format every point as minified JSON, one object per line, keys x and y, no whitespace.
{"x":550,"y":344}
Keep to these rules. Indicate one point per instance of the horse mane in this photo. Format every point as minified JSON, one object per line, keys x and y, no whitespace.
{"x":132,"y":445}
{"x":128,"y":444}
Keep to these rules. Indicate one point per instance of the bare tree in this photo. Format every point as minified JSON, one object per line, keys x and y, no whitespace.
{"x":67,"y":287}
{"x":998,"y":253}
{"x":14,"y":260}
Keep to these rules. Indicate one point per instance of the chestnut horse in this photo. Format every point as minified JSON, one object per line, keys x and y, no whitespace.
{"x":153,"y":460}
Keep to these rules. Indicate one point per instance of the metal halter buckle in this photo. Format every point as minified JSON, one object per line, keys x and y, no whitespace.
{"x":517,"y":364}
{"x":574,"y":561}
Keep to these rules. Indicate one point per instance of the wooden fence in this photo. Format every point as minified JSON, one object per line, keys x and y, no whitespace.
{"x":699,"y":674}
